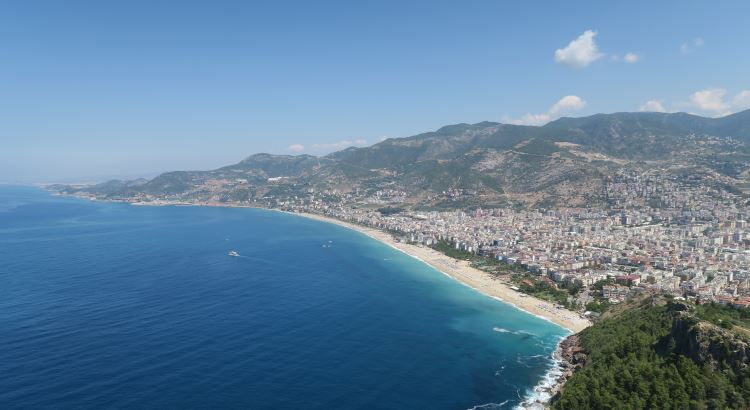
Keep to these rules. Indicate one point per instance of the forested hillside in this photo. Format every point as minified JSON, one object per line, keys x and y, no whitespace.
{"x":661,"y":357}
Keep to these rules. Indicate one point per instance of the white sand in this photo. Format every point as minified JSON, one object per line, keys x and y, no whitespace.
{"x":475,"y":278}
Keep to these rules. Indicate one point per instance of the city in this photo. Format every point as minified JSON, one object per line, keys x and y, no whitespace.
{"x":661,"y":234}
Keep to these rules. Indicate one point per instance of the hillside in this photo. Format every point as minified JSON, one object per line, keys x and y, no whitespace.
{"x":490,"y":164}
{"x":668,"y":356}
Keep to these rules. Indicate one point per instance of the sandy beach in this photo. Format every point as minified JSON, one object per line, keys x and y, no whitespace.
{"x":459,"y":270}
{"x":475,"y":278}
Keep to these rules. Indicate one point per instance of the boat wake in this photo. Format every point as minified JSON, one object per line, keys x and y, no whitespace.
{"x":513,"y":332}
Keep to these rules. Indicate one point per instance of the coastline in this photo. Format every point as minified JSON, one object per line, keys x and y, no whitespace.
{"x":467,"y":275}
{"x":552,"y":382}
{"x":554,"y":378}
{"x":459,"y":270}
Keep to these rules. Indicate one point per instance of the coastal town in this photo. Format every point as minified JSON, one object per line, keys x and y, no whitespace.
{"x":695,"y":245}
{"x":375,"y":205}
{"x":660,"y":233}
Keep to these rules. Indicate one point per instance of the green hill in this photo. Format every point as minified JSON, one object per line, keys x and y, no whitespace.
{"x":661,"y":357}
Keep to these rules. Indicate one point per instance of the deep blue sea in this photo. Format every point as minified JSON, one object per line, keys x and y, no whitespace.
{"x":117,"y":306}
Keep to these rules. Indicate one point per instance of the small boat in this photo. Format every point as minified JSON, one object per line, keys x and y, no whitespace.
{"x":233,"y":253}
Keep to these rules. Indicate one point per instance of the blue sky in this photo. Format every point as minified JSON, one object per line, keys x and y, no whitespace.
{"x":94,"y":89}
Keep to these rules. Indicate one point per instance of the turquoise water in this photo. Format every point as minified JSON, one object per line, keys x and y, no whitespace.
{"x":119,"y":306}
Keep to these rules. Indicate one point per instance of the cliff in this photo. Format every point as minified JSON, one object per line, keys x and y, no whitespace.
{"x":659,"y":355}
{"x":709,"y":344}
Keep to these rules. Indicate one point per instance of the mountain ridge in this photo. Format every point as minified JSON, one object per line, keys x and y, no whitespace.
{"x":501,"y":164}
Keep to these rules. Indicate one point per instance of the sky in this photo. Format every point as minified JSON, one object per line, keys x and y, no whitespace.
{"x":92,"y":89}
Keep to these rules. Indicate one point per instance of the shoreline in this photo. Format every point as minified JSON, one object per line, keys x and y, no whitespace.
{"x":462,"y":272}
{"x":459,"y":270}
{"x":554,"y":378}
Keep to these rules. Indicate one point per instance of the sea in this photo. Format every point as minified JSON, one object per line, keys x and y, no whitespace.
{"x":110,"y":305}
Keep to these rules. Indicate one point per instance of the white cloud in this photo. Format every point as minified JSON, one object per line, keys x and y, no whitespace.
{"x":566,"y":104}
{"x":710,"y":100}
{"x":296,"y":148}
{"x":580,"y":52}
{"x":632,"y":58}
{"x":713,"y":102}
{"x":653,"y":106}
{"x":335,"y":146}
{"x":741,"y":101}
{"x":691,"y":46}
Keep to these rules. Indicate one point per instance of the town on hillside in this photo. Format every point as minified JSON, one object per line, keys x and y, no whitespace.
{"x":660,"y":233}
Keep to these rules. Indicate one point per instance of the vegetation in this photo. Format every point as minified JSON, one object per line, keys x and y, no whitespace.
{"x":526,"y":282}
{"x":487,"y":264}
{"x":634,"y":361}
{"x":598,"y":305}
{"x":546,"y":290}
{"x":449,"y":250}
{"x":389,"y":211}
{"x":598,"y":285}
{"x":724,"y":316}
{"x":572,"y":286}
{"x":514,"y":160}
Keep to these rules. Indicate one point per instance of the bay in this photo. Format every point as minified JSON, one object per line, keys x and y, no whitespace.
{"x":106,"y":305}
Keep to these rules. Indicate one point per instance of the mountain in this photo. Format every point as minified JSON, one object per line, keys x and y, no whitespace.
{"x":661,"y":355}
{"x":490,"y":164}
{"x":646,"y":134}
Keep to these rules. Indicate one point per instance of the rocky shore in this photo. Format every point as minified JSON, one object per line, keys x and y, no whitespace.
{"x":571,"y":357}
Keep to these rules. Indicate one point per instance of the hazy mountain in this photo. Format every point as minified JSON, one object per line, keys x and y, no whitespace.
{"x":565,"y":160}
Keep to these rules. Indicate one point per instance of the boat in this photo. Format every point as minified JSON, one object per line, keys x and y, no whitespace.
{"x":233,"y":253}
